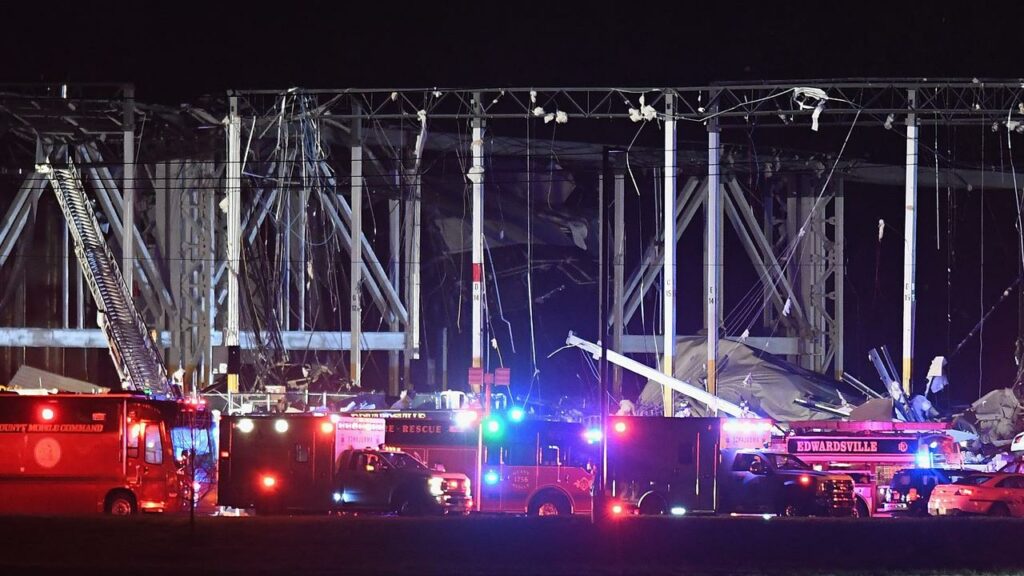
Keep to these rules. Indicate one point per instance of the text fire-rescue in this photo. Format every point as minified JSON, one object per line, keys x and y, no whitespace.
{"x":837,"y":446}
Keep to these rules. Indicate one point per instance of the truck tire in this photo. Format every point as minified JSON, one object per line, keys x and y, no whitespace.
{"x":120,"y":503}
{"x":787,"y":508}
{"x":549,"y":503}
{"x":999,"y":509}
{"x":409,"y":507}
{"x":652,"y":504}
{"x":860,"y":509}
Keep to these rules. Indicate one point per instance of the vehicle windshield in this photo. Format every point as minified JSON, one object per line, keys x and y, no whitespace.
{"x":974,"y":480}
{"x":403,"y":461}
{"x":787,"y":462}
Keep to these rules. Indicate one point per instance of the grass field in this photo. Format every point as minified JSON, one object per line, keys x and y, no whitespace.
{"x":507,"y":545}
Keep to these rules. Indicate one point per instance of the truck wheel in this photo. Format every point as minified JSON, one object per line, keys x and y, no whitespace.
{"x":652,"y":505}
{"x":549,"y":504}
{"x":787,"y":509}
{"x":860,"y":509}
{"x":120,"y":503}
{"x":409,"y":507}
{"x":999,"y":509}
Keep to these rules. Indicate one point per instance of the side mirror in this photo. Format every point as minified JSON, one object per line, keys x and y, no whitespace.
{"x":757,"y":468}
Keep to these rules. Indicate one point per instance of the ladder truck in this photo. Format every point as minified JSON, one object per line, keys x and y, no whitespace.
{"x":139,"y":363}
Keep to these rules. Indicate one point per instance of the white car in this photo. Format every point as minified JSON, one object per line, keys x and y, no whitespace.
{"x":996,"y":494}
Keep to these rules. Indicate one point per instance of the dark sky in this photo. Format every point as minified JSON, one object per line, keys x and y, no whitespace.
{"x":180,"y":50}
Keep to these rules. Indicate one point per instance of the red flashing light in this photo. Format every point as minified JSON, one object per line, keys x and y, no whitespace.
{"x":47,"y":414}
{"x":805,"y":480}
{"x":617,"y":509}
{"x":620,"y":427}
{"x":327,"y":427}
{"x":269,"y":482}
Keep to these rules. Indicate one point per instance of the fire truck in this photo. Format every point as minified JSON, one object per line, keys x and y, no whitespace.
{"x":520,"y":465}
{"x":74,"y":454}
{"x":679,"y":466}
{"x":871,"y":453}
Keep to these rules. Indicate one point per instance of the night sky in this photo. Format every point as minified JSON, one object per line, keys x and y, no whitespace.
{"x":182,"y":50}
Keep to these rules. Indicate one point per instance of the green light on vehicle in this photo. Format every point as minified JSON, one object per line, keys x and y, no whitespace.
{"x":492,"y":426}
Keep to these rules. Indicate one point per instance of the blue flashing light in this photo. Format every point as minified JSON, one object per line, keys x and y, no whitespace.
{"x":924,"y":460}
{"x":592,"y":435}
{"x":516,"y":414}
{"x":491,"y":478}
{"x":678,"y":511}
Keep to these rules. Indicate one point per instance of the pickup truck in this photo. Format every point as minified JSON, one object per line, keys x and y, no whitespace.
{"x":390,"y":480}
{"x":762,"y":481}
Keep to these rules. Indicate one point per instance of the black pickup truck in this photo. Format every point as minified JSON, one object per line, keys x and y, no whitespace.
{"x":761,"y":481}
{"x":393,"y":481}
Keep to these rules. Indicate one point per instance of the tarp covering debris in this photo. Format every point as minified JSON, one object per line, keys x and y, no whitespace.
{"x":770,"y":385}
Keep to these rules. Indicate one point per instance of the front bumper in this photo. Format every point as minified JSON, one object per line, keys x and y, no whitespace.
{"x":455,"y":503}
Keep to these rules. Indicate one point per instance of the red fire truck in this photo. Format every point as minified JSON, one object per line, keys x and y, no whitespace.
{"x":542,"y":468}
{"x":871,"y":452}
{"x":536,"y":467}
{"x":72,"y":454}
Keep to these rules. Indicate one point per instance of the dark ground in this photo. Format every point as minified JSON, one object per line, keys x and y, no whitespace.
{"x":507,"y":545}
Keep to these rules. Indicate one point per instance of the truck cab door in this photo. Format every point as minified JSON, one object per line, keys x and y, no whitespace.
{"x":147,"y":470}
{"x":355,"y":480}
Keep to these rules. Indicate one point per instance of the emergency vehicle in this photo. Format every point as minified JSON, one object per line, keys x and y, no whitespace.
{"x":679,"y":466}
{"x":286,"y":462}
{"x":872,"y":452}
{"x":315,"y":463}
{"x":519,"y":465}
{"x":74,"y":454}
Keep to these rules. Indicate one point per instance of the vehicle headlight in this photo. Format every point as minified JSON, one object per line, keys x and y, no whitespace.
{"x":436,"y":488}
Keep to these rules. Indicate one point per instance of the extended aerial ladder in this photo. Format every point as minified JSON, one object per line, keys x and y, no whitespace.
{"x":139,"y":363}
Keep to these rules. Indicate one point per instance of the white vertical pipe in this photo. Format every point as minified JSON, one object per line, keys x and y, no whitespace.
{"x":910,"y":244}
{"x":356,"y":274}
{"x":714,"y":252}
{"x":669,"y":265}
{"x":233,"y":186}
{"x":476,"y":176}
{"x":128,"y":187}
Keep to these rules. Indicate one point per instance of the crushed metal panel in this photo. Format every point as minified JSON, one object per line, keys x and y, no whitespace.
{"x":31,"y":378}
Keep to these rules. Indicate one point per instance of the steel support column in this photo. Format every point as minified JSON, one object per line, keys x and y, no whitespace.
{"x":668,"y":273}
{"x":476,"y":177}
{"x":618,"y":273}
{"x":394,"y":261}
{"x":356,"y":273}
{"x":713,"y":245}
{"x":839,"y":279}
{"x":910,"y":244}
{"x":128,"y":188}
{"x":233,"y":187}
